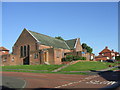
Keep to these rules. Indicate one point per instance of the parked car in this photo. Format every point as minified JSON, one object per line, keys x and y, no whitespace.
{"x":111,"y":60}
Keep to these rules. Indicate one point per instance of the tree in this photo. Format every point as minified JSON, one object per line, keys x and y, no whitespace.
{"x":88,"y":48}
{"x":84,"y":45}
{"x":60,"y":38}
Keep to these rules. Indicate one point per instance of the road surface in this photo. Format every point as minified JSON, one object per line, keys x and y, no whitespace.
{"x":41,"y":80}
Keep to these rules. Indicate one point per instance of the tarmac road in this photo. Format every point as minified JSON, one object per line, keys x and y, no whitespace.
{"x":12,"y":82}
{"x":40,"y":80}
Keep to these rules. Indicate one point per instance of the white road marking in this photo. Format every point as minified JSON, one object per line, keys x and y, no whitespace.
{"x":87,"y":78}
{"x":101,"y":82}
{"x":24,"y":84}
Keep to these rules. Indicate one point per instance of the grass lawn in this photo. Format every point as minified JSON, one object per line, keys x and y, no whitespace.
{"x":80,"y":73}
{"x":80,"y":66}
{"x":87,"y":66}
{"x":114,"y":69}
{"x":32,"y":67}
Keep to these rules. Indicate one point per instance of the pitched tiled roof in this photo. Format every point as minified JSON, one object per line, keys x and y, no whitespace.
{"x":106,"y":50}
{"x":3,"y":49}
{"x":49,"y":41}
{"x":116,"y":52}
{"x":71,"y":43}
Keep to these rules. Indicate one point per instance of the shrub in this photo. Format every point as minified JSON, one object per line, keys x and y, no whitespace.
{"x":117,"y":57}
{"x":69,"y":57}
{"x":63,"y":59}
{"x":73,"y":58}
{"x":83,"y":58}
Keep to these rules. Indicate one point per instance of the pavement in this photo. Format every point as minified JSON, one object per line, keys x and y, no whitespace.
{"x":58,"y":81}
{"x":12,"y":82}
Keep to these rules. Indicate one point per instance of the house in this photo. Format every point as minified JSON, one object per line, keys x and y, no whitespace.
{"x":106,"y":54}
{"x":32,"y":48}
{"x":3,"y":51}
{"x":5,"y":57}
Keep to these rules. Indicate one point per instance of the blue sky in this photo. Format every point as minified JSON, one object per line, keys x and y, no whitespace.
{"x":95,"y":23}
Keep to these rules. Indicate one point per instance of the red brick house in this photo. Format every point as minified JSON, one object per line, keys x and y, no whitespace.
{"x":3,"y":51}
{"x":106,"y":54}
{"x":33,"y":48}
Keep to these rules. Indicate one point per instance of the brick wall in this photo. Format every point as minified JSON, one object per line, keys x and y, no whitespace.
{"x":24,"y":39}
{"x":78,"y":45}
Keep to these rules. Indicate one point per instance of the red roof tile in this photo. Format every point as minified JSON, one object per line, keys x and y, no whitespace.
{"x":3,"y":49}
{"x":105,"y":50}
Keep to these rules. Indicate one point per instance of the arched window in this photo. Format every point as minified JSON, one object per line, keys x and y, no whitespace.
{"x":21,"y":51}
{"x":28,"y":50}
{"x":25,"y":51}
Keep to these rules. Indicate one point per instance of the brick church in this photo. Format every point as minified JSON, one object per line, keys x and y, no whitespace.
{"x":33,"y":48}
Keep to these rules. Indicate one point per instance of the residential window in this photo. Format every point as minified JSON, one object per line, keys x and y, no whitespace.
{"x":57,"y":54}
{"x":63,"y":54}
{"x":5,"y":59}
{"x":21,"y":51}
{"x":77,"y":53}
{"x":108,"y":58}
{"x":117,"y":54}
{"x":35,"y":55}
{"x":13,"y":59}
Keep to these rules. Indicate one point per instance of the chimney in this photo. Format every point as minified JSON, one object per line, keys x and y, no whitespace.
{"x":106,"y":47}
{"x":112,"y":50}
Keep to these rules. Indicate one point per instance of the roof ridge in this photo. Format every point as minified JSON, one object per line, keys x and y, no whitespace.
{"x":48,"y":40}
{"x":105,"y":49}
{"x":3,"y":48}
{"x":70,"y":39}
{"x":66,"y":44}
{"x":46,"y":35}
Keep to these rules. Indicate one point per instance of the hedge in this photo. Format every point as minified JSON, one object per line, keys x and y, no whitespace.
{"x":73,"y":58}
{"x":117,"y":57}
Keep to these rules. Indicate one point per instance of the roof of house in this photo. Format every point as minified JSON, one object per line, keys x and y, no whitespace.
{"x":71,"y":43}
{"x":105,"y":50}
{"x":50,"y":41}
{"x":3,"y":49}
{"x":116,"y":52}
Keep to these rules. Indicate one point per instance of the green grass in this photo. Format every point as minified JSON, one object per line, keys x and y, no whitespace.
{"x":118,"y":62}
{"x":37,"y":69}
{"x":80,"y":66}
{"x":80,"y":73}
{"x":33,"y":67}
{"x":87,"y":66}
{"x":114,"y":69}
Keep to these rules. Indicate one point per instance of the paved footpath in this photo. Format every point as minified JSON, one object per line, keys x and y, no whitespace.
{"x":12,"y":82}
{"x":40,"y":80}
